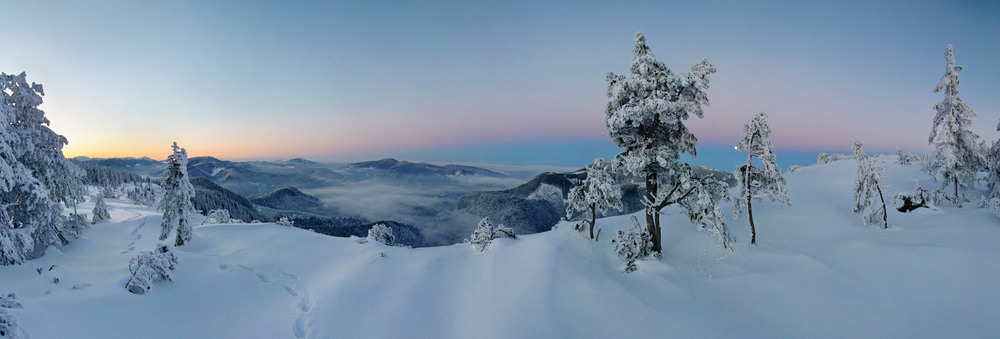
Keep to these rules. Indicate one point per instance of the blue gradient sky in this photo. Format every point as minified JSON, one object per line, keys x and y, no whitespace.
{"x":506,"y":82}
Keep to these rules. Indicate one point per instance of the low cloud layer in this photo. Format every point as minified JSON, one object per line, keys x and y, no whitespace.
{"x":429,"y":208}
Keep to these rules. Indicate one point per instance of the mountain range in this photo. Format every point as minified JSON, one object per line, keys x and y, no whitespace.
{"x":426,"y":204}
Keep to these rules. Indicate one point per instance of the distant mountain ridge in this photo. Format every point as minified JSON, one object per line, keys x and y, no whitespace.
{"x":249,"y":178}
{"x":405,"y":169}
{"x":538,"y":204}
{"x":307,"y":212}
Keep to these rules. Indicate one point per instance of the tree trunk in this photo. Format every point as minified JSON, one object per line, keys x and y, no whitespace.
{"x":652,"y":215}
{"x":753,"y":230}
{"x":885,"y":217}
{"x":593,"y":218}
{"x":957,"y":201}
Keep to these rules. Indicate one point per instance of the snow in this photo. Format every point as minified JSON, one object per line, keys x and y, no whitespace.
{"x":816,"y":271}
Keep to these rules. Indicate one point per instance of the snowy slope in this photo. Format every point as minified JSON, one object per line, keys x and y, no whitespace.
{"x":816,"y":272}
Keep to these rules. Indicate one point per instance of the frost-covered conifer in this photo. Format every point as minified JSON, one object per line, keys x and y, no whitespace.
{"x":704,"y":209}
{"x":283,"y":221}
{"x":150,"y":267}
{"x":645,"y":117}
{"x":957,"y":153}
{"x":906,"y":158}
{"x":176,"y":205}
{"x":632,"y":246}
{"x":824,"y":158}
{"x":34,"y":175}
{"x":756,"y":183}
{"x":598,"y":193}
{"x":865,"y":189}
{"x":39,"y":150}
{"x":100,"y":209}
{"x":485,"y":232}
{"x":381,"y":233}
{"x":144,"y":193}
{"x":992,"y":199}
{"x":219,"y":216}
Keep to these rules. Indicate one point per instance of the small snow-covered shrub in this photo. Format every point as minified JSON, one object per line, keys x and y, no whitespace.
{"x":150,"y":267}
{"x":905,"y":202}
{"x":906,"y":158}
{"x":100,"y":209}
{"x":824,"y":158}
{"x":485,"y":232}
{"x":219,"y":216}
{"x":793,"y":168}
{"x":9,"y":300}
{"x":73,"y":225}
{"x":381,"y":233}
{"x":632,"y":246}
{"x":9,"y":326}
{"x":285,"y":222}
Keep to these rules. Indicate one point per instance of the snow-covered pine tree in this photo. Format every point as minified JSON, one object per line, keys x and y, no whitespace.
{"x":100,"y":209}
{"x":143,"y":193}
{"x":645,"y":117}
{"x":598,"y":193}
{"x":34,"y":175}
{"x":756,"y":183}
{"x":906,"y":158}
{"x":39,"y":149}
{"x":176,"y":204}
{"x":705,"y":209}
{"x":865,"y":188}
{"x":992,"y":199}
{"x":17,"y":186}
{"x":485,"y":232}
{"x":283,"y":221}
{"x":957,"y":158}
{"x":218,"y":216}
{"x":381,"y":233}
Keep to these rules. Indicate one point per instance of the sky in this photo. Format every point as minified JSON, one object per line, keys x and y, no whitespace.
{"x":485,"y":81}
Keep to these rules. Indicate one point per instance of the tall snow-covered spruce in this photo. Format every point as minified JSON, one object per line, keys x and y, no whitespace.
{"x":756,"y":183}
{"x":957,"y":156}
{"x":176,"y":204}
{"x":598,"y":193}
{"x":35,"y":178}
{"x":865,"y":188}
{"x":645,"y":117}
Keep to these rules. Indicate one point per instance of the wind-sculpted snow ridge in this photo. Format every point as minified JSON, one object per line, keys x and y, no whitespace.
{"x":815,"y":272}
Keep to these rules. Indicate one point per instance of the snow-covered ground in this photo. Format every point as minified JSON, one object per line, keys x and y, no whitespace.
{"x":816,"y":272}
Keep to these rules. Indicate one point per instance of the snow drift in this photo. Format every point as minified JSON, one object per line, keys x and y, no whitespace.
{"x":817,"y":271}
